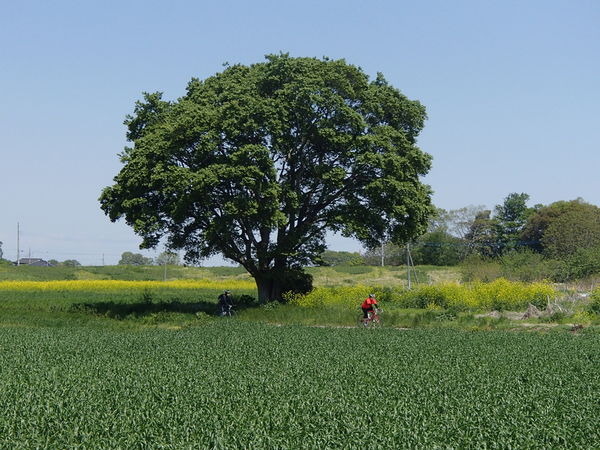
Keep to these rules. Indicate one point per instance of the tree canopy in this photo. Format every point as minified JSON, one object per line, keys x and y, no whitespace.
{"x":438,"y":248}
{"x":572,"y":226}
{"x":510,"y":219}
{"x":258,"y":162}
{"x":481,"y":238}
{"x":337,"y":258}
{"x":71,"y":263}
{"x":168,"y":258}
{"x":134,"y":259}
{"x":494,"y":235}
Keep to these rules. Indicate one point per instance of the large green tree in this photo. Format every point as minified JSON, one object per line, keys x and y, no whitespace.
{"x":561,"y":228}
{"x":578,"y":228}
{"x":168,"y":258}
{"x":509,"y":220}
{"x":494,"y":235}
{"x":482,"y":238}
{"x":258,"y":162}
{"x":438,"y":248}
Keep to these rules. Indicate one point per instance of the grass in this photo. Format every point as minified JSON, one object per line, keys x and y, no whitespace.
{"x":394,"y":317}
{"x":95,"y":299}
{"x":122,"y":272}
{"x":109,"y":307}
{"x":388,"y":276}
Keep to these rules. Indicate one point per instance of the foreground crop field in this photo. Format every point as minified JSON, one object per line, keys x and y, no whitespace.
{"x":245,"y":385}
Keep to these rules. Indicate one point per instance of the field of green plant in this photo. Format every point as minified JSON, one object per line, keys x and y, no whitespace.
{"x":229,"y":384}
{"x":117,"y":358}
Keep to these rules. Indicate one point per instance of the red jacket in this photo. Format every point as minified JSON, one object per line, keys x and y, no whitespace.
{"x":368,"y":303}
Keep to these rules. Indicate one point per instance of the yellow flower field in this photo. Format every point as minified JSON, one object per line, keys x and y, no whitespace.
{"x":115,"y":285}
{"x":499,"y":294}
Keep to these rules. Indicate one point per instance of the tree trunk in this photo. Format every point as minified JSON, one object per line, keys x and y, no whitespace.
{"x":269,"y":286}
{"x":273,"y":283}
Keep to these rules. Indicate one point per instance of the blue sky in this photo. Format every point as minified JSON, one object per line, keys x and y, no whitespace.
{"x":512,"y":90}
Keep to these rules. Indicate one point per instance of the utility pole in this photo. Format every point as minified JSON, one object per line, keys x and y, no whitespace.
{"x":382,"y":254}
{"x":410,"y":266}
{"x":18,"y":254}
{"x":408,"y":263}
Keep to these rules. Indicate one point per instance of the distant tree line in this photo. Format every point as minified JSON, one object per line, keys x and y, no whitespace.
{"x":52,"y":262}
{"x":560,"y":241}
{"x":127,"y":258}
{"x":66,"y":263}
{"x":137,"y":259}
{"x":131,"y":259}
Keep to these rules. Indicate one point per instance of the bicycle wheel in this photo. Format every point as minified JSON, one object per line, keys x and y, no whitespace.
{"x":376,"y":321}
{"x":361,"y":322}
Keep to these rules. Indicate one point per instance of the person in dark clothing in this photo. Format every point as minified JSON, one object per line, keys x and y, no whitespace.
{"x":225,"y":304}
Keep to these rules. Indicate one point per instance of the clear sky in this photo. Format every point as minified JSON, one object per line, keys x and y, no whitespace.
{"x":512,"y":90}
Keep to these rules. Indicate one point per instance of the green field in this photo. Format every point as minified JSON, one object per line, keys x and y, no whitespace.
{"x":323,"y":276}
{"x":121,"y":272}
{"x":110,"y":365}
{"x":240,"y":385}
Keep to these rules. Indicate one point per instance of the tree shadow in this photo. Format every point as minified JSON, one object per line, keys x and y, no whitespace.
{"x":116,"y":310}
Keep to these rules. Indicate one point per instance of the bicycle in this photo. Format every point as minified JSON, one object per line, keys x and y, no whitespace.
{"x":373,"y":319}
{"x":226,"y":311}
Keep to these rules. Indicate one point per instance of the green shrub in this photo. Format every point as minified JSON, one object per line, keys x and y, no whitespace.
{"x":244,"y":300}
{"x":296,"y":281}
{"x":595,"y":301}
{"x":582,"y":263}
{"x":525,"y":265}
{"x":584,"y":317}
{"x":477,"y":268}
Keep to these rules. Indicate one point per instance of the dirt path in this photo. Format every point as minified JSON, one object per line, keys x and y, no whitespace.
{"x":516,"y":326}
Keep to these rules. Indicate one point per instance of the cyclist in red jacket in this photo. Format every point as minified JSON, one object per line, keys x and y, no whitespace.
{"x":368,"y":305}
